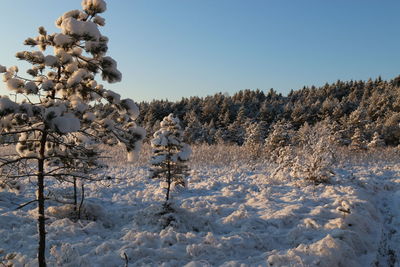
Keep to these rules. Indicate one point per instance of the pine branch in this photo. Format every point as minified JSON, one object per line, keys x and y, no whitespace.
{"x":29,"y":202}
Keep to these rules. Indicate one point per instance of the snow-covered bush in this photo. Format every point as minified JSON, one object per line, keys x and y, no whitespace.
{"x":312,"y":159}
{"x":376,"y":142}
{"x":254,"y":139}
{"x":279,"y":137}
{"x":170,"y":155}
{"x":358,"y":141}
{"x":64,"y":111}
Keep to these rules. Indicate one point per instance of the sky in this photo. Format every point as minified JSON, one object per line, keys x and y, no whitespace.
{"x":169,"y":49}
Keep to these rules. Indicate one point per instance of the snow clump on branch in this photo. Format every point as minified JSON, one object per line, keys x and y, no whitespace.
{"x":94,"y":6}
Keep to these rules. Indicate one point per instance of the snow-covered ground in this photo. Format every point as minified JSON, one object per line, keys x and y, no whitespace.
{"x":232,"y":213}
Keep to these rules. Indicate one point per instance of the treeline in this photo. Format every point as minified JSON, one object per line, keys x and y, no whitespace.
{"x":367,"y":108}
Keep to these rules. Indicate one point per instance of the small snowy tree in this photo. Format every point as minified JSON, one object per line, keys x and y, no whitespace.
{"x":64,"y":112}
{"x":194,"y":132}
{"x":255,"y":137}
{"x":279,"y":137}
{"x":170,"y":155}
{"x":313,"y":157}
{"x":237,"y":129}
{"x":358,"y":141}
{"x":316,"y":154}
{"x":377,"y":141}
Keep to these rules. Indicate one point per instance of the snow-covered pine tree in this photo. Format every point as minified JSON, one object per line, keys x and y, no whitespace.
{"x":210,"y":132}
{"x":237,"y":129}
{"x":194,"y":132}
{"x":391,"y":128}
{"x":255,"y":137}
{"x":377,"y":141}
{"x":58,"y":122}
{"x":280,"y":136}
{"x":170,"y":155}
{"x":358,"y":141}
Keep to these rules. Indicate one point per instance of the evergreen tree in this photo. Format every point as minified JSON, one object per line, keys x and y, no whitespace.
{"x":255,"y":137}
{"x":237,"y":129}
{"x":170,"y":155}
{"x":357,"y":118}
{"x":391,"y":128}
{"x":255,"y":133}
{"x":194,"y":131}
{"x":376,"y":141}
{"x":209,"y":108}
{"x":372,"y":106}
{"x":210,"y":132}
{"x":222,"y":135}
{"x":358,"y":141}
{"x":65,"y":111}
{"x":316,"y":154}
{"x":280,"y":136}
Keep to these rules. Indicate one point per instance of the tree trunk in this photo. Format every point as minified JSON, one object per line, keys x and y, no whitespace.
{"x":75,"y":197}
{"x":82,"y":199}
{"x":41,"y":218}
{"x":168,"y":180}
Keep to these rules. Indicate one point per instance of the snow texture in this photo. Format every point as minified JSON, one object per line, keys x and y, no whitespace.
{"x":227,"y":216}
{"x":66,"y":124}
{"x":110,"y":72}
{"x":72,"y":27}
{"x":131,"y":108}
{"x":50,"y":60}
{"x":99,"y":20}
{"x":62,"y":39}
{"x":97,"y":6}
{"x":77,"y":77}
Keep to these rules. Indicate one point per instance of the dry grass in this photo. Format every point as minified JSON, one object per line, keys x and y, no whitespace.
{"x":346,"y":155}
{"x":232,"y":155}
{"x":202,"y":155}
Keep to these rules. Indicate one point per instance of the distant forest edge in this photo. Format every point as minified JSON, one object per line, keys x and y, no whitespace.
{"x":363,"y":110}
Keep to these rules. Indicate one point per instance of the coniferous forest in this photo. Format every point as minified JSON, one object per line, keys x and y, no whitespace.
{"x":371,"y":107}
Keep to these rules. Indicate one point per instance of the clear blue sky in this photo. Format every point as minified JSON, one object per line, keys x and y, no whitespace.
{"x":181,"y":48}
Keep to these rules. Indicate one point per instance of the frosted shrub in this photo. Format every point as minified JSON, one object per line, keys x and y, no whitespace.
{"x":254,"y":139}
{"x":280,"y":136}
{"x":314,"y":162}
{"x":358,"y":141}
{"x":376,"y":142}
{"x":65,"y":112}
{"x":313,"y":158}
